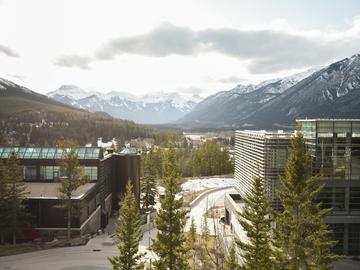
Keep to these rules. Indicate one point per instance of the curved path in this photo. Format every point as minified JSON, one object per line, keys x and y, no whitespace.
{"x":214,"y":198}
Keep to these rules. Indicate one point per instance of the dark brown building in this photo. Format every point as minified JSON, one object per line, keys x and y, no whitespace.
{"x":93,"y":201}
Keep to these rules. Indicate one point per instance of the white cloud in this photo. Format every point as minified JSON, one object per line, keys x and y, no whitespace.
{"x":8,"y":51}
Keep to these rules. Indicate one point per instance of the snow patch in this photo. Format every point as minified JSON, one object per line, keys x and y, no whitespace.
{"x":204,"y":183}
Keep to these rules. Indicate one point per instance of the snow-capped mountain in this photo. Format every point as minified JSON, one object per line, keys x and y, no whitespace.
{"x":328,"y":92}
{"x":225,"y":108}
{"x":332,"y":92}
{"x":154,"y":108}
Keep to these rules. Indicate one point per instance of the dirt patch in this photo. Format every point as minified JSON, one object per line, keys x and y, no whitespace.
{"x":8,"y":250}
{"x":215,"y":212}
{"x":190,"y":196}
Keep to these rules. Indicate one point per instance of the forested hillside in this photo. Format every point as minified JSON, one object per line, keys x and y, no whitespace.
{"x":29,"y":118}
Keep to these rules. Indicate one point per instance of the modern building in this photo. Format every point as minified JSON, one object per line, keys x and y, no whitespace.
{"x":94,"y":201}
{"x":334,"y":147}
{"x":260,"y":153}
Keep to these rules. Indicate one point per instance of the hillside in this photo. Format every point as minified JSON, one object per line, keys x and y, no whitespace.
{"x":33,"y":119}
{"x":227,"y":109}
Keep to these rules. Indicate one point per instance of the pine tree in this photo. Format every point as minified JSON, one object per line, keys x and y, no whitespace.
{"x":231,"y":260}
{"x":16,"y":213}
{"x":301,"y":235}
{"x":255,"y":219}
{"x":170,"y":221}
{"x":205,"y":238}
{"x":148,"y":187}
{"x":3,"y":200}
{"x":72,"y":177}
{"x":192,"y":241}
{"x":129,"y":234}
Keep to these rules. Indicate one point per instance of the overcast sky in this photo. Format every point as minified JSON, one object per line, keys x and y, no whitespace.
{"x":201,"y":46}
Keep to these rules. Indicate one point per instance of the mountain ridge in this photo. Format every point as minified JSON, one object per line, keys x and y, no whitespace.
{"x":153,"y":108}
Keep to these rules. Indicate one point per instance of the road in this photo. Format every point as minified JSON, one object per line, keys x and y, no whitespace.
{"x":215,"y":198}
{"x":92,"y":256}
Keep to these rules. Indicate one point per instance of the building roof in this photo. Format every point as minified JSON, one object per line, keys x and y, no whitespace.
{"x":327,"y":119}
{"x":51,"y":190}
{"x":128,"y":151}
{"x":48,"y":152}
{"x":267,"y":133}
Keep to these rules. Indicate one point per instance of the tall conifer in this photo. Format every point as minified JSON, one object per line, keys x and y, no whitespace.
{"x":302,"y":236}
{"x":148,"y":183}
{"x":129,"y":234}
{"x":231,"y":259}
{"x":16,"y":214}
{"x":170,"y":244}
{"x":72,"y":177}
{"x":255,"y":219}
{"x":3,"y":200}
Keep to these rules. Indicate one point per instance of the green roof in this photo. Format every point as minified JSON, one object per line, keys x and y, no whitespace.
{"x":48,"y":152}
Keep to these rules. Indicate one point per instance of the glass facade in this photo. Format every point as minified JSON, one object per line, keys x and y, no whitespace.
{"x":48,"y":152}
{"x":49,"y":172}
{"x":92,"y":172}
{"x":29,"y":172}
{"x":334,"y":147}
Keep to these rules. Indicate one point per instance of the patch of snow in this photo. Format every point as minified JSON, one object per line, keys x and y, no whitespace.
{"x":204,"y":183}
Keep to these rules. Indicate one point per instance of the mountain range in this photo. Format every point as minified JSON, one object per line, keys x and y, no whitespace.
{"x":328,"y":92}
{"x":155,"y":108}
{"x":332,"y":91}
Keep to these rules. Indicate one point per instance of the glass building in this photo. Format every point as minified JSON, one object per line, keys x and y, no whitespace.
{"x":334,"y":147}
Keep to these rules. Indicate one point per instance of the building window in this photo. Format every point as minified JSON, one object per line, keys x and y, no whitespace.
{"x":355,"y":198}
{"x":92,"y":172}
{"x":338,"y":235}
{"x":354,"y":239}
{"x":49,"y":172}
{"x":29,"y":172}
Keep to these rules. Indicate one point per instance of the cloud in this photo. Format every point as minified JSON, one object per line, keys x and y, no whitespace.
{"x":8,"y":51}
{"x":232,"y":79}
{"x":74,"y":60}
{"x":263,"y":50}
{"x":16,"y":76}
{"x":191,"y":90}
{"x":165,"y":40}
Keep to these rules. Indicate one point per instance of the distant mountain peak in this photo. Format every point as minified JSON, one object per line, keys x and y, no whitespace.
{"x":154,"y":108}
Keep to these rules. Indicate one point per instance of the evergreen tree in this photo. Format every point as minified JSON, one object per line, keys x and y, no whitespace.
{"x":148,"y":184}
{"x":4,"y":192}
{"x":72,"y":177}
{"x":16,"y":213}
{"x":255,"y":219}
{"x":192,"y":241}
{"x":302,"y":236}
{"x":170,"y":221}
{"x":129,"y":234}
{"x":231,"y":260}
{"x":205,"y":238}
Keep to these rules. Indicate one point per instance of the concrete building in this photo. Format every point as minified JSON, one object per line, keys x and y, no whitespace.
{"x":260,"y":153}
{"x":94,"y":201}
{"x":334,"y":147}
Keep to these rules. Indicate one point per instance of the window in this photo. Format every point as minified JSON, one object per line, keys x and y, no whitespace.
{"x":29,"y":172}
{"x":49,"y":172}
{"x":338,"y":235}
{"x":354,"y":239}
{"x":92,"y":172}
{"x":354,"y":198}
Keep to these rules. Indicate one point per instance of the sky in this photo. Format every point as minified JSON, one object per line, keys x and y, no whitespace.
{"x":193,"y":47}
